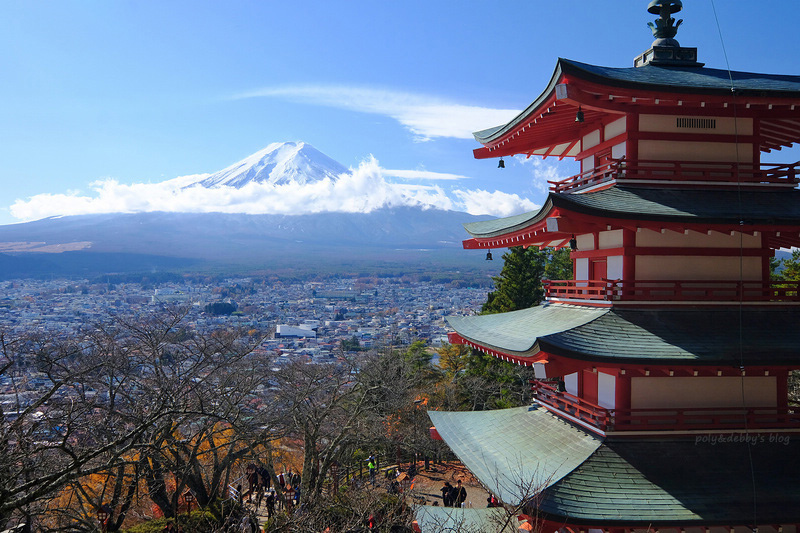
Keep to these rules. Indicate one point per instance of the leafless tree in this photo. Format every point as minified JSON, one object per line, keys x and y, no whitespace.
{"x":136,"y":401}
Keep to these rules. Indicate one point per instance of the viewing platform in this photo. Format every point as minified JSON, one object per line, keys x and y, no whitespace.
{"x":638,"y":291}
{"x":669,"y":419}
{"x":681,"y":174}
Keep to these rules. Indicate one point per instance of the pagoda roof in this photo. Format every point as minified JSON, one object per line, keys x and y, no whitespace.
{"x":586,"y":480}
{"x":686,"y":79}
{"x":515,"y":452}
{"x":688,"y":479}
{"x":686,"y":206}
{"x":496,"y":519}
{"x":663,"y":336}
{"x":547,"y":126}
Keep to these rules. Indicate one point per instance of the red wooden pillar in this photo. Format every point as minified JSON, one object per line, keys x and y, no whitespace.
{"x":628,"y":255}
{"x":632,"y":129}
{"x":589,"y":389}
{"x":622,"y":394}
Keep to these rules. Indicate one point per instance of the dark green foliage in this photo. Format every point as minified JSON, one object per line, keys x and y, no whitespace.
{"x":220,"y":308}
{"x":559,"y":264}
{"x":519,"y":284}
{"x":351,"y":345}
{"x":418,"y":356}
{"x":789,"y":268}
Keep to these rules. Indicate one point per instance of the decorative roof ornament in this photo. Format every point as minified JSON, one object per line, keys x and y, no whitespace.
{"x":665,"y":28}
{"x":665,"y":50}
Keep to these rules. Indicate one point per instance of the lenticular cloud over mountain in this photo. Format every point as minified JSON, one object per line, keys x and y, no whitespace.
{"x":284,"y":178}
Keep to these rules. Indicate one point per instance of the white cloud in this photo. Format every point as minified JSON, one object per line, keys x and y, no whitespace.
{"x":542,"y":172}
{"x":426,"y":117}
{"x":423,"y":175}
{"x":497,"y":203}
{"x":362,"y":190}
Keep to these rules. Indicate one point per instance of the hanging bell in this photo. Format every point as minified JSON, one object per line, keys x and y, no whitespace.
{"x":579,"y":115}
{"x":573,"y":243}
{"x":489,"y":255}
{"x":501,"y":164}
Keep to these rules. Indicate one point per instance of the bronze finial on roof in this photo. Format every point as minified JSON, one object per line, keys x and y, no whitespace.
{"x":665,"y":50}
{"x":665,"y":28}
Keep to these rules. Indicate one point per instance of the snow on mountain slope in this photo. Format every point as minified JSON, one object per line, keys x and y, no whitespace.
{"x":277,"y":164}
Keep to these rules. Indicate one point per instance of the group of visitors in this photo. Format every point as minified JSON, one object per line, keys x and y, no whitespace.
{"x":454,"y":496}
{"x":260,"y":489}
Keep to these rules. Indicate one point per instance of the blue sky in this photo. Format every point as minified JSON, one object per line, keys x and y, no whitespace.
{"x":102,"y":94}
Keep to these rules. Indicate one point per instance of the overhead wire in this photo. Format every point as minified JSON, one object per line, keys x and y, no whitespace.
{"x":742,"y":370}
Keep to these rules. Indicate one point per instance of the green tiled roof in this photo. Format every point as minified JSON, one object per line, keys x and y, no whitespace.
{"x":467,"y":520}
{"x":514,"y":452}
{"x":673,"y":480}
{"x":667,"y":205}
{"x":628,"y":481}
{"x":686,"y":79}
{"x":518,"y":331}
{"x":688,"y":205}
{"x":754,"y":335}
{"x":658,"y":78}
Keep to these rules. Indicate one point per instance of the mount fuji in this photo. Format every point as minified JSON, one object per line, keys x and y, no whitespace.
{"x":278,"y":164}
{"x":80,"y":244}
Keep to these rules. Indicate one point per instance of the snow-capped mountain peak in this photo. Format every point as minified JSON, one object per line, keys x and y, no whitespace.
{"x":278,"y":163}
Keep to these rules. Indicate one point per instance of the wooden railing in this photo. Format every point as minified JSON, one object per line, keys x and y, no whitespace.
{"x":572,"y":405}
{"x":667,"y":419}
{"x":703,"y":418}
{"x":673,"y":290}
{"x":681,"y":172}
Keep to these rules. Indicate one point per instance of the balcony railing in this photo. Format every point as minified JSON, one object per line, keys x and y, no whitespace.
{"x":667,"y":419}
{"x":572,"y":405}
{"x":680,"y":172}
{"x":672,"y":290}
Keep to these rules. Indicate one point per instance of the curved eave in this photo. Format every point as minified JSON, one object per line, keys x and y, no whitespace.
{"x":516,"y":334}
{"x":687,"y":80}
{"x":547,"y":127}
{"x":765,"y":336}
{"x":515,"y":452}
{"x":776,"y":214}
{"x":492,"y":134}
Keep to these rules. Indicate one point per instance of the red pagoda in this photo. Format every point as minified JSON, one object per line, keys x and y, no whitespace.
{"x":661,"y":398}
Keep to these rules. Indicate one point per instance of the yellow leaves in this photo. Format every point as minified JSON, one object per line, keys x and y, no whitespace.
{"x":453,"y":358}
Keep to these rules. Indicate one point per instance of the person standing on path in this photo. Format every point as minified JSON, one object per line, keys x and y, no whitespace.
{"x":447,"y":491}
{"x":373,"y":468}
{"x":461,"y":495}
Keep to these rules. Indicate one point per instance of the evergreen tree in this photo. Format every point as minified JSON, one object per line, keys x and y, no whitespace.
{"x":559,"y":264}
{"x":790,"y":267}
{"x":519,"y":284}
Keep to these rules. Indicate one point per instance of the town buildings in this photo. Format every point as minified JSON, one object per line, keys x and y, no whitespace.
{"x":663,"y":366}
